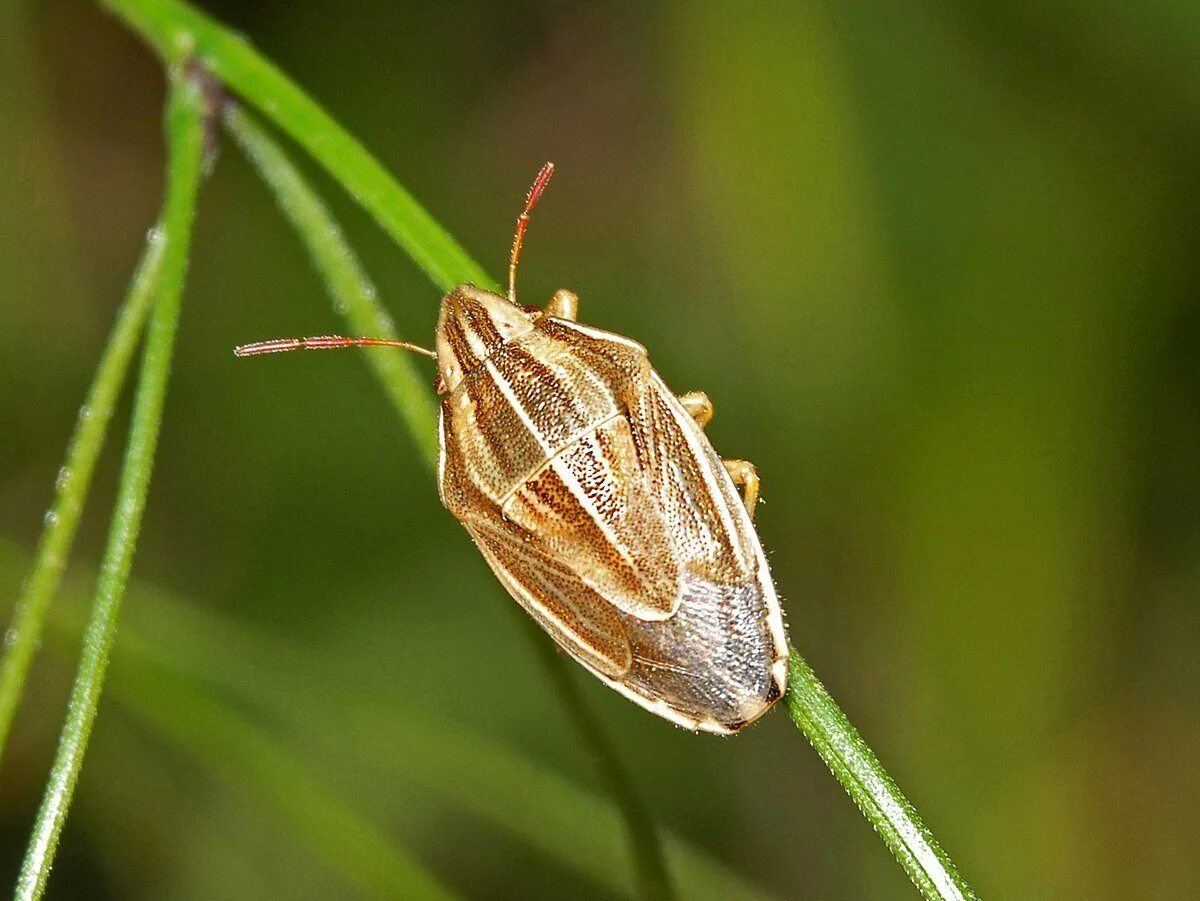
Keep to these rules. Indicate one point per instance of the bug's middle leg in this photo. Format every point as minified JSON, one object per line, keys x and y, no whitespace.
{"x":743,"y":472}
{"x":698,"y":406}
{"x":564,"y":305}
{"x":745,"y":476}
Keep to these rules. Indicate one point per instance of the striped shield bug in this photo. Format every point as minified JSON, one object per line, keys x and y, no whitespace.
{"x":598,"y":502}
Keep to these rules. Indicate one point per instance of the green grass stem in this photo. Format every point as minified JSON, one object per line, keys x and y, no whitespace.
{"x":877,"y":795}
{"x":353,"y":294}
{"x":185,"y":140}
{"x":73,"y":482}
{"x":178,"y":32}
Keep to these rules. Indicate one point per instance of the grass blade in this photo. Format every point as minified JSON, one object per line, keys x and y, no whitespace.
{"x":178,"y":31}
{"x":73,"y":482}
{"x":868,"y":783}
{"x":649,"y":858}
{"x":345,"y":841}
{"x":353,"y":294}
{"x":185,"y":138}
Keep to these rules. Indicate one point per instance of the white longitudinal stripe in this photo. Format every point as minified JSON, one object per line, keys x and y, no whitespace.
{"x":730,"y":506}
{"x":567,"y":445}
{"x":475,"y":342}
{"x":577,"y":491}
{"x":603,"y":335}
{"x":441,"y":460}
{"x":509,"y":395}
{"x":719,"y":486}
{"x":523,"y":593}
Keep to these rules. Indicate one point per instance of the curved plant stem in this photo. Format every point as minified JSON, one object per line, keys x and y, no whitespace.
{"x":868,"y":783}
{"x":353,"y":294}
{"x":175,"y":30}
{"x":348,"y":843}
{"x":178,"y":31}
{"x":185,"y":138}
{"x":649,"y":861}
{"x":71,"y":487}
{"x":355,"y":297}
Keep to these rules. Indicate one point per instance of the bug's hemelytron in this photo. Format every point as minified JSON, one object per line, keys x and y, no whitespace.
{"x":600,"y":505}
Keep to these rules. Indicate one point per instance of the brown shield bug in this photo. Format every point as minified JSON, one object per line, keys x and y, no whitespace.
{"x":598,"y":502}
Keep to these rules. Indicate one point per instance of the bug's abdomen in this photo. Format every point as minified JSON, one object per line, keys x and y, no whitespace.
{"x":603,"y":510}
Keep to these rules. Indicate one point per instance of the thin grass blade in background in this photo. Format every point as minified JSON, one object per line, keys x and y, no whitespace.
{"x":354,"y":296}
{"x":345,"y":841}
{"x":178,"y":31}
{"x":71,"y":486}
{"x":214,"y":655}
{"x":185,"y":140}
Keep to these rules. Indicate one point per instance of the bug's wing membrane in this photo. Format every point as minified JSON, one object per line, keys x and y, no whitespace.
{"x":579,"y":619}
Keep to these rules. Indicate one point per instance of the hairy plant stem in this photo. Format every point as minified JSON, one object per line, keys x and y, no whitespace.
{"x":863,"y":777}
{"x":73,"y":482}
{"x":185,"y":139}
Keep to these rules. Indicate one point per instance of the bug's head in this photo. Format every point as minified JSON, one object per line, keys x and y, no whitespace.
{"x":471,"y":325}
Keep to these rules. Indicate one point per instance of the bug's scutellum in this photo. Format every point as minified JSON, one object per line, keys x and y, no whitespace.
{"x":597,"y":500}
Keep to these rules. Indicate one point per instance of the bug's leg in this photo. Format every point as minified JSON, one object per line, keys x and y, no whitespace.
{"x":744,"y":476}
{"x":564,"y":305}
{"x":698,"y":406}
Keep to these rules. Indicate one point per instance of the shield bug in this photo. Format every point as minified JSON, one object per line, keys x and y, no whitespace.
{"x":597,"y":500}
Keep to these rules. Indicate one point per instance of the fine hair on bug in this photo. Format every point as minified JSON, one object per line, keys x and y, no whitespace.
{"x":594,"y":495}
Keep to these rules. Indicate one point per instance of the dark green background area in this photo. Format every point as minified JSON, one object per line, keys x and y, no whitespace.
{"x":936,"y":265}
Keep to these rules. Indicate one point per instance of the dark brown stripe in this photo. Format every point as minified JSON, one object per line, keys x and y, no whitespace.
{"x":481,"y":324}
{"x":460,"y":347}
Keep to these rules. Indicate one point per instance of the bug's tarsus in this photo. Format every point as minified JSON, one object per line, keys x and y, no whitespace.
{"x":539,"y":185}
{"x":323,"y":342}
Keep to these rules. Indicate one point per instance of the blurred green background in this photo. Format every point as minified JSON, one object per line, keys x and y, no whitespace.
{"x":936,"y":265}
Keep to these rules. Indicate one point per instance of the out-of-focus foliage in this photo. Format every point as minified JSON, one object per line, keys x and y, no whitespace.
{"x":935,"y":264}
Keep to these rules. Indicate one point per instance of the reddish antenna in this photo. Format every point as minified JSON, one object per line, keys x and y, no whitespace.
{"x":322,"y":342}
{"x":539,"y":185}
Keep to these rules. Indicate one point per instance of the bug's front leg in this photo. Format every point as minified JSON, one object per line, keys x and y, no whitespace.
{"x":564,"y":305}
{"x":744,"y":476}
